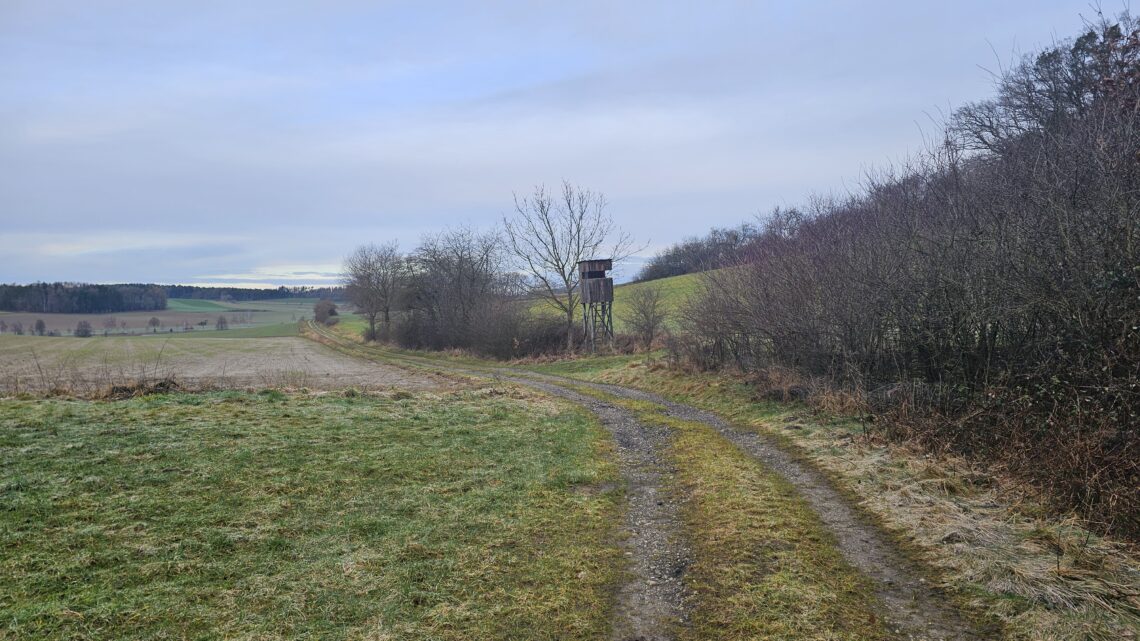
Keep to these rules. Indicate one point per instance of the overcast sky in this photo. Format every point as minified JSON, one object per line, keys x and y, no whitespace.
{"x":258,"y":142}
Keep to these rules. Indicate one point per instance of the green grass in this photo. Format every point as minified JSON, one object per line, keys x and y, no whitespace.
{"x":675,"y":292}
{"x":764,"y":565}
{"x":195,"y":305}
{"x":476,"y":515}
{"x":256,"y":331}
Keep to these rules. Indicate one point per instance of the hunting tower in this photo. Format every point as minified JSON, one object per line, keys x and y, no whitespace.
{"x":597,"y":295}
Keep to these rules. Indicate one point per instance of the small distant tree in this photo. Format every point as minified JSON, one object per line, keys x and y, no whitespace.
{"x":3,"y":327}
{"x":83,"y":329}
{"x":109,"y":324}
{"x":221,"y":323}
{"x":18,"y":328}
{"x":324,"y":311}
{"x":154,"y":324}
{"x":645,"y":314}
{"x":40,"y":327}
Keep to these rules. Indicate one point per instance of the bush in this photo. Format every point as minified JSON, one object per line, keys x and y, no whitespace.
{"x":985,"y":299}
{"x":83,"y":329}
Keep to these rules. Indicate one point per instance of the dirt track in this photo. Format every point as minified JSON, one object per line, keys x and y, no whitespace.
{"x":913,"y":610}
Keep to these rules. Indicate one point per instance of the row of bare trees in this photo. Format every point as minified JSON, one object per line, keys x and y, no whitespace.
{"x":463,"y":288}
{"x":993,"y":284}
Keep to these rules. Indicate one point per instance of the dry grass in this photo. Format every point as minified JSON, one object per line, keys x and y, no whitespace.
{"x":90,"y":367}
{"x":986,"y":539}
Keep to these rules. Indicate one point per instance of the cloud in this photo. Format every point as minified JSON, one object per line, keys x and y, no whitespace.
{"x":150,"y":141}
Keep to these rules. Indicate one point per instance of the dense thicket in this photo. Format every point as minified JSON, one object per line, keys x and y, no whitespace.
{"x":458,"y":293}
{"x":81,"y":298}
{"x":719,"y":248}
{"x":987,"y":297}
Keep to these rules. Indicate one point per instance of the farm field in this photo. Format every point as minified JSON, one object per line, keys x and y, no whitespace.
{"x":187,"y":317}
{"x":474,"y":514}
{"x":33,"y":363}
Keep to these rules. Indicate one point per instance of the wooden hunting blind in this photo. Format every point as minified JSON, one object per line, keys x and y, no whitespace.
{"x":597,"y":297}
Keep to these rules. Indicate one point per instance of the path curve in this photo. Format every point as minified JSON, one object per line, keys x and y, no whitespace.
{"x":913,"y":608}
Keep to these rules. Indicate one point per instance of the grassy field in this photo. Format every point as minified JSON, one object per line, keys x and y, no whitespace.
{"x":472,"y":515}
{"x":194,"y":305}
{"x":675,"y":291}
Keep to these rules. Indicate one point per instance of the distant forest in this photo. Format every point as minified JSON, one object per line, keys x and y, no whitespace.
{"x":80,"y":298}
{"x":719,"y":248}
{"x":241,"y":294}
{"x":84,"y":298}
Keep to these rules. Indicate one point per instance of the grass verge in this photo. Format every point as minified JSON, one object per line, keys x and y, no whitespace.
{"x":764,"y":566}
{"x":476,"y":514}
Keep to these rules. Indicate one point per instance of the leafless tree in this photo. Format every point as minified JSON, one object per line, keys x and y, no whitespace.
{"x":40,"y":327}
{"x":83,"y":329}
{"x":550,"y":233}
{"x":373,"y":276}
{"x":154,"y":323}
{"x":645,"y":313}
{"x":324,"y":312}
{"x":221,"y":323}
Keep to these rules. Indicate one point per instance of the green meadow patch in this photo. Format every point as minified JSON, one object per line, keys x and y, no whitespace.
{"x":482,"y":514}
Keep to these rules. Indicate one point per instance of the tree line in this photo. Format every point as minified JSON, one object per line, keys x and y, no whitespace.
{"x":81,"y":298}
{"x":985,"y":298}
{"x":472,"y":289}
{"x":721,"y":247}
{"x":240,"y":294}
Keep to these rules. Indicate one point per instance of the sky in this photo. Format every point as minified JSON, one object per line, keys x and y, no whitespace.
{"x":256,"y":143}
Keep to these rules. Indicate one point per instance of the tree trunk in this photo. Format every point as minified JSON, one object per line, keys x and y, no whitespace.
{"x":570,"y":330}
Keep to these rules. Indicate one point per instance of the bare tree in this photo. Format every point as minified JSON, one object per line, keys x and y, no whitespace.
{"x":83,"y":329}
{"x":549,"y":234}
{"x":645,"y":314}
{"x":154,"y":323}
{"x":3,"y":327}
{"x":373,"y":276}
{"x":221,"y":323}
{"x":40,"y":327}
{"x":324,"y":312}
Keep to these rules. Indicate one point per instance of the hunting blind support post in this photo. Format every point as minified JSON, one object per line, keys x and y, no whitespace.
{"x":597,"y":296}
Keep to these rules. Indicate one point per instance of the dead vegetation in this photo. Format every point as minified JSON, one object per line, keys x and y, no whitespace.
{"x":987,"y":532}
{"x":122,"y":367}
{"x":983,"y":299}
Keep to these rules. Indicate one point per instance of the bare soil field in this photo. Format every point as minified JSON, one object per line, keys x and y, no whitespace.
{"x":85,"y":366}
{"x":189,"y":316}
